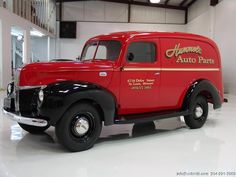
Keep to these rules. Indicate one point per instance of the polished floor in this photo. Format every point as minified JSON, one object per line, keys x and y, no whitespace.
{"x":160,"y":149}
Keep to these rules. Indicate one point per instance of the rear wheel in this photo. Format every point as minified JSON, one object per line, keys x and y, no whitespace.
{"x":199,"y":113}
{"x":33,"y":129}
{"x":79,"y":128}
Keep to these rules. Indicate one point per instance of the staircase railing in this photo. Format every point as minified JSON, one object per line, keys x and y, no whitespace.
{"x":39,"y":12}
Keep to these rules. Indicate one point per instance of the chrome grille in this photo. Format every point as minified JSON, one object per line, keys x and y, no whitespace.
{"x":16,"y":77}
{"x":16,"y":83}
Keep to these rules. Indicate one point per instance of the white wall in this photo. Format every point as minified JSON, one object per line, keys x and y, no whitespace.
{"x":117,"y":12}
{"x":52,"y":54}
{"x":9,"y":20}
{"x":198,"y":8}
{"x":81,"y":11}
{"x":87,"y":12}
{"x":71,"y":48}
{"x":1,"y":41}
{"x":224,"y":35}
{"x":219,"y":24}
{"x":93,"y":16}
{"x":5,"y":57}
{"x":143,"y":14}
{"x":215,"y":22}
{"x":201,"y":18}
{"x":94,"y":11}
{"x":39,"y":48}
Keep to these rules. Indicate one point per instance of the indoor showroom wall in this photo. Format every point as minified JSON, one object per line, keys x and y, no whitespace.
{"x":9,"y":20}
{"x":97,"y":17}
{"x":0,"y":51}
{"x":216,"y":22}
{"x":219,"y":24}
{"x":117,"y":12}
{"x":39,"y":48}
{"x":71,"y":48}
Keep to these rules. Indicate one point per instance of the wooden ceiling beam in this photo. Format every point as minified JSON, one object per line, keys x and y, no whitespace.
{"x":133,"y":2}
{"x":191,"y":3}
{"x":148,"y":4}
{"x":214,"y":2}
{"x":166,"y":2}
{"x":183,"y":2}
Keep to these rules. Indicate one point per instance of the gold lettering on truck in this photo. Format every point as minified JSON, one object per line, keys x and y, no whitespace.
{"x":141,"y":84}
{"x":177,"y":52}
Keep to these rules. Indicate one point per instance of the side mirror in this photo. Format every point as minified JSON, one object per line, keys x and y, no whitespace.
{"x":78,"y":58}
{"x":130,"y":56}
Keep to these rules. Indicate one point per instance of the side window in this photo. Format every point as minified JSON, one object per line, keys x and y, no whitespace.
{"x":101,"y":52}
{"x":141,"y":52}
{"x":109,"y":49}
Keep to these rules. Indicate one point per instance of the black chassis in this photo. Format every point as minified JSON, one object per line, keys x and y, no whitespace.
{"x":59,"y":97}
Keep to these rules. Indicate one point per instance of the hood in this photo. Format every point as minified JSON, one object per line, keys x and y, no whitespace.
{"x":45,"y":73}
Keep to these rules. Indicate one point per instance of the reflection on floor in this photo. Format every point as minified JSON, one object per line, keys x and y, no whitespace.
{"x":155,"y":149}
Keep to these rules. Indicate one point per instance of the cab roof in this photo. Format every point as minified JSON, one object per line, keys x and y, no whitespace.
{"x":125,"y":35}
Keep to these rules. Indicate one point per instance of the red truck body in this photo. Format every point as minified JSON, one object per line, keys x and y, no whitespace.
{"x":124,"y":77}
{"x":167,"y":79}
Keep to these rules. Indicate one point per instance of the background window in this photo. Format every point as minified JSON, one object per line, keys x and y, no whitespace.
{"x":141,"y":52}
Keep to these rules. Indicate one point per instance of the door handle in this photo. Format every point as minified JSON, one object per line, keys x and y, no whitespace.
{"x":102,"y":74}
{"x":157,"y":74}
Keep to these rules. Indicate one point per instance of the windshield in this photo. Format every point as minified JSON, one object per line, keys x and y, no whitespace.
{"x":102,"y":50}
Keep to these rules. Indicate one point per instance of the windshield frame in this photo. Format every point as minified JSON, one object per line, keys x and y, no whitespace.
{"x":97,"y":42}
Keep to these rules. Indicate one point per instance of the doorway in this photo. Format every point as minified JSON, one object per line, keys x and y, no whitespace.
{"x":17,"y":52}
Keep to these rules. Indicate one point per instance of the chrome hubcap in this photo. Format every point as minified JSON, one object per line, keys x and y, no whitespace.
{"x":81,"y":126}
{"x":198,"y":111}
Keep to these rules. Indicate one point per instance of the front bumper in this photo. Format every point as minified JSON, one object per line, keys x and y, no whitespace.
{"x":11,"y":107}
{"x":26,"y":120}
{"x":10,"y":112}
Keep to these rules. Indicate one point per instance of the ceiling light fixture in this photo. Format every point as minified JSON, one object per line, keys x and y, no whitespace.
{"x":35,"y":32}
{"x":13,"y":33}
{"x":155,"y":1}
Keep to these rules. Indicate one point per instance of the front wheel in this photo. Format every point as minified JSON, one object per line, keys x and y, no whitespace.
{"x":79,"y":128}
{"x":199,"y":113}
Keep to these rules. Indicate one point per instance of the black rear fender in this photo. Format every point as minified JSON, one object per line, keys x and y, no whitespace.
{"x":204,"y":88}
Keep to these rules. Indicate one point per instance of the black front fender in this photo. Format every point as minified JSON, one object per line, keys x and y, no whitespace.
{"x":59,"y":97}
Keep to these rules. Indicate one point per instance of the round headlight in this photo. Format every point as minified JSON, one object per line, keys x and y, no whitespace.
{"x":41,"y":95}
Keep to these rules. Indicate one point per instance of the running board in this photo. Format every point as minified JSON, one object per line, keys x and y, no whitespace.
{"x":148,"y":117}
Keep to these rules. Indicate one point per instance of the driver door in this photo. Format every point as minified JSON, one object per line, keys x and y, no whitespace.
{"x":140,"y":77}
